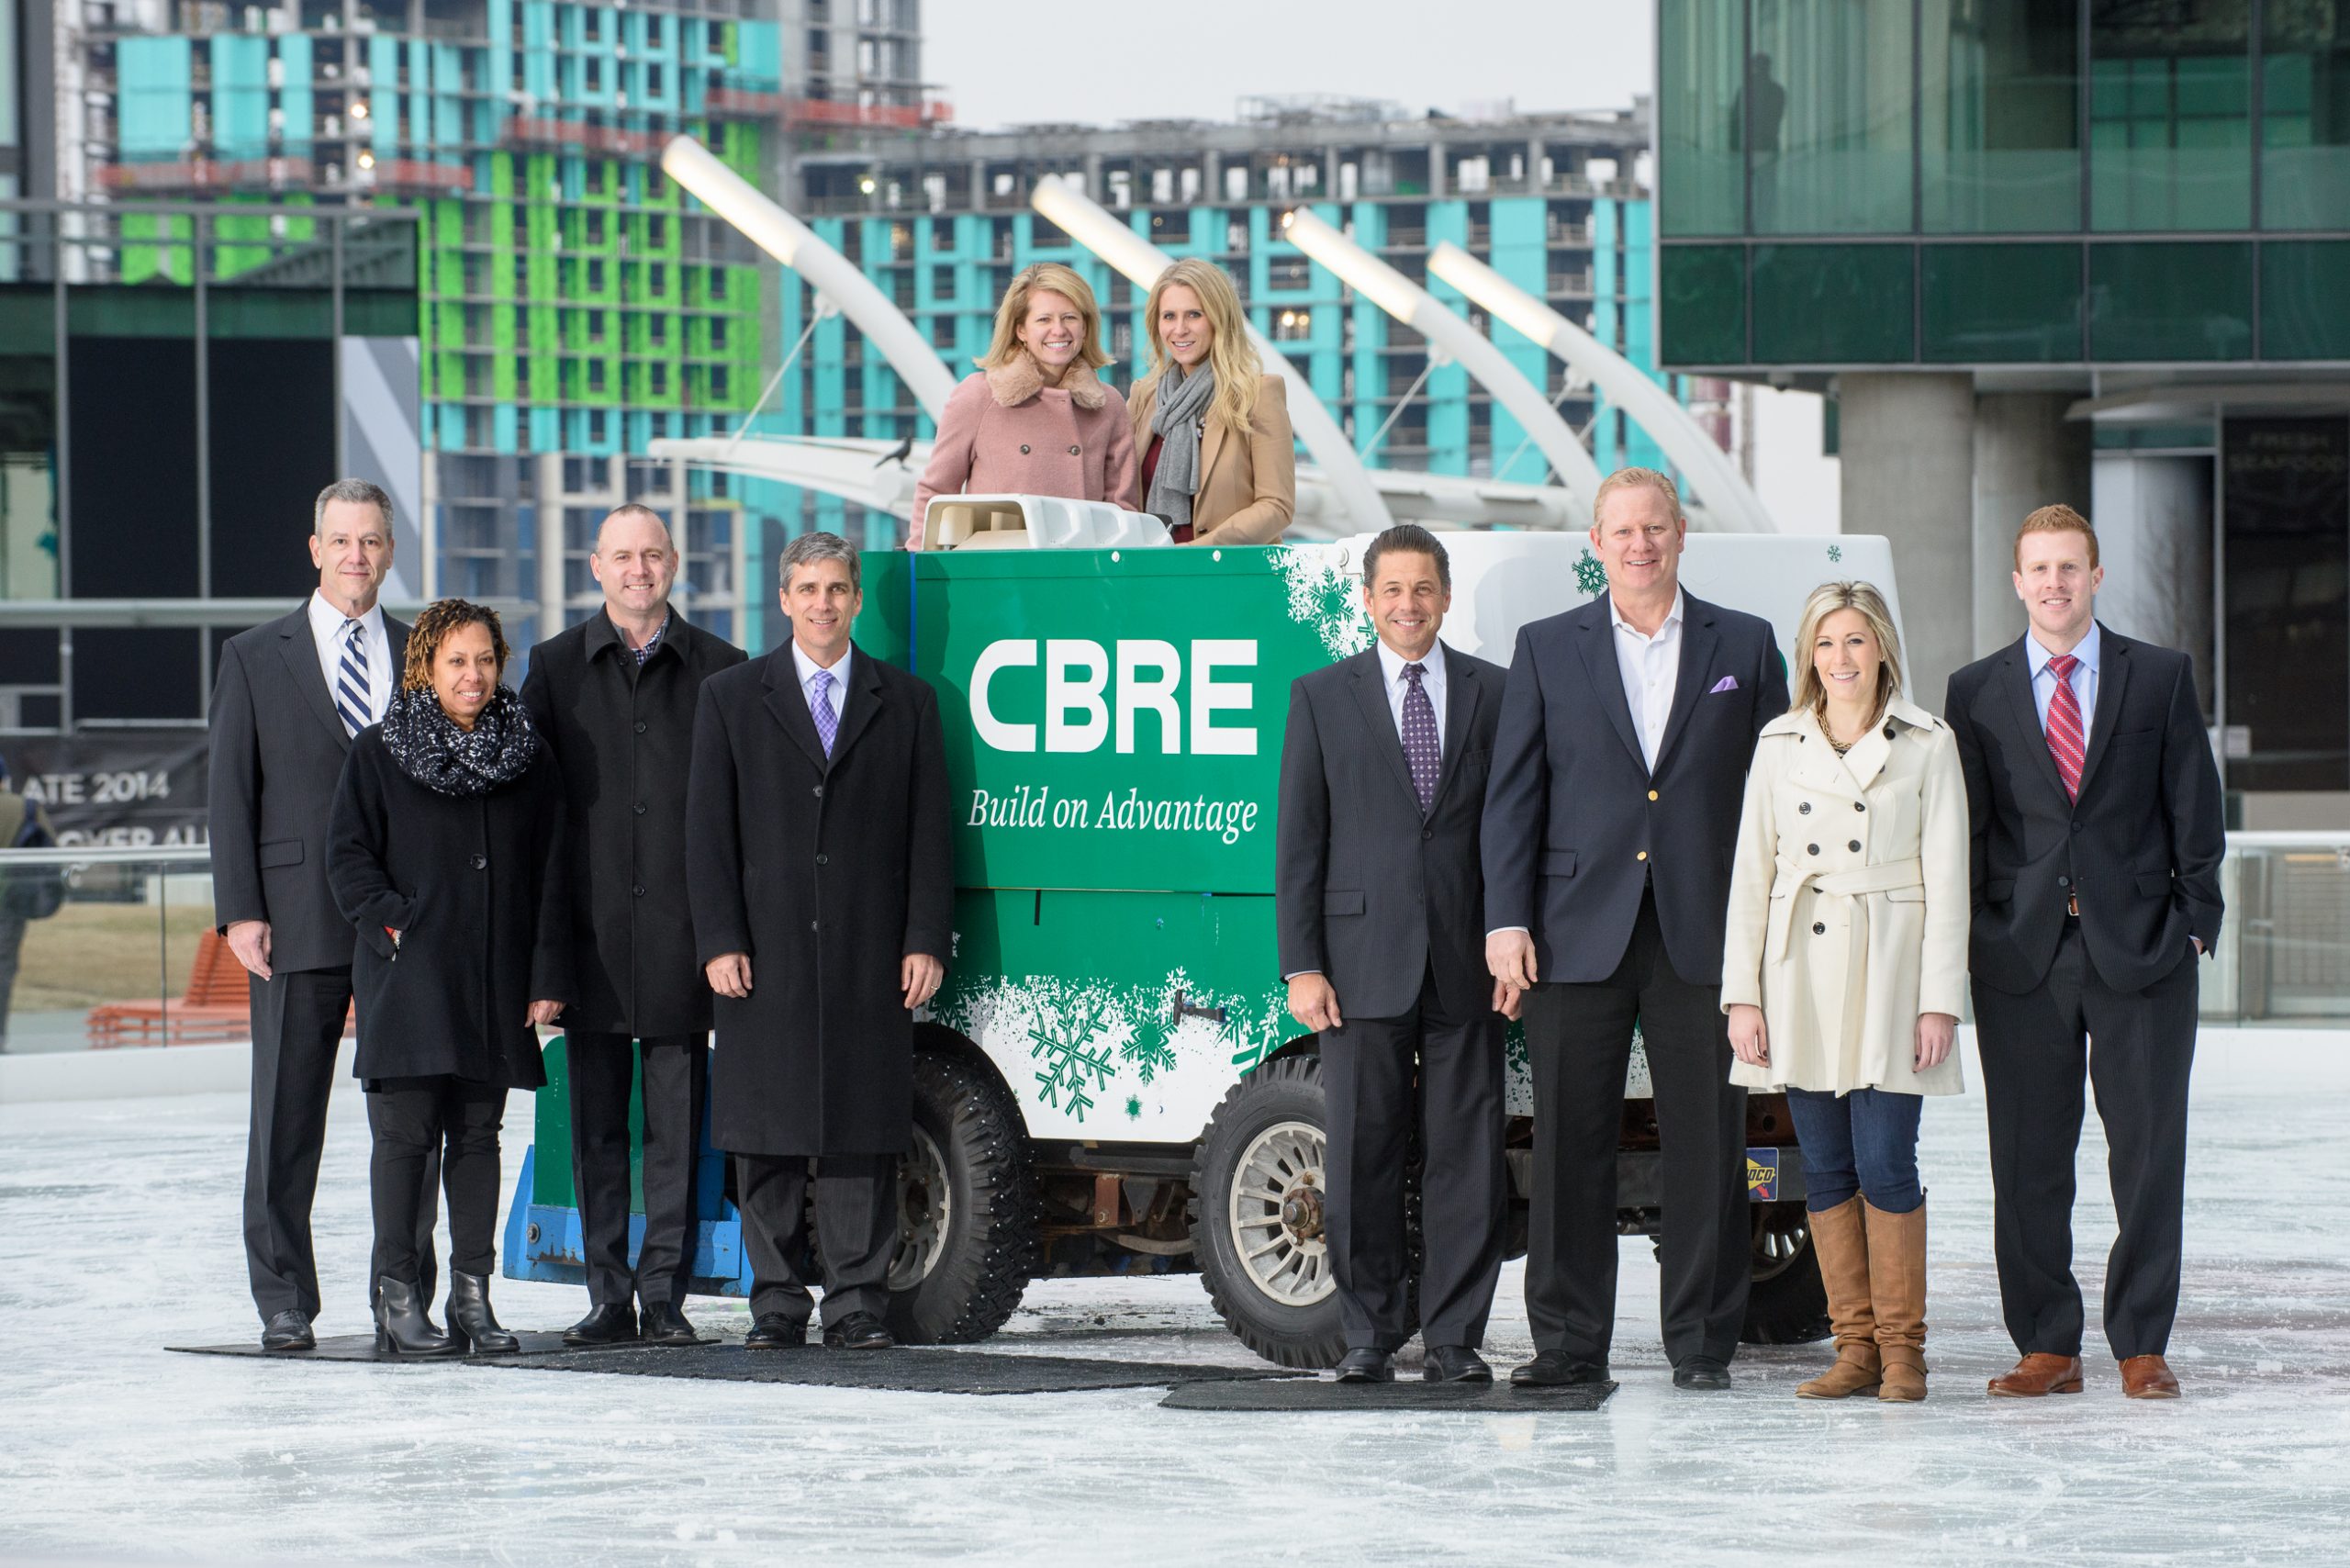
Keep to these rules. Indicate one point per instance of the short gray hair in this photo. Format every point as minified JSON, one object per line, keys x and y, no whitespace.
{"x":364,"y":492}
{"x":812,"y":547}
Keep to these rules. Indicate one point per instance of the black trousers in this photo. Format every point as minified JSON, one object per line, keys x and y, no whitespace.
{"x":1368,"y":1074}
{"x":2035,"y":1050}
{"x":1579,"y":1038}
{"x":298,"y":1019}
{"x":603,"y":1073}
{"x":856,"y":1230}
{"x":414,"y":1120}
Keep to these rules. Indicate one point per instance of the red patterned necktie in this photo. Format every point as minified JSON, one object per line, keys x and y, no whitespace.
{"x":2065,"y":738}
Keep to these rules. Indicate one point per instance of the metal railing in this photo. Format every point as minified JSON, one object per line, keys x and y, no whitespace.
{"x":107,"y":948}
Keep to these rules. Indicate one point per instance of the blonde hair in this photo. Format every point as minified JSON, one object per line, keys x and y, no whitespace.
{"x":2058,"y":519}
{"x":1625,"y":478}
{"x":1826,"y":601}
{"x":1044,"y":277}
{"x":1230,"y":353}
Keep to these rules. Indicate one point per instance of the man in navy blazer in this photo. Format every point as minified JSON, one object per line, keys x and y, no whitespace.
{"x":1611,"y":815}
{"x":2098,"y":840}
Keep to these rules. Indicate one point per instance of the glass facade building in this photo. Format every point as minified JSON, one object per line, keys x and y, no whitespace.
{"x":2137,"y":209}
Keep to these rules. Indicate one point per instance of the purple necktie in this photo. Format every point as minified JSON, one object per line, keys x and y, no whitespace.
{"x":1421,"y":749}
{"x":828,"y":723}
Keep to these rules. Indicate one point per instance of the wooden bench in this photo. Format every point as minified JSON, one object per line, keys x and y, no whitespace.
{"x":216,"y":1008}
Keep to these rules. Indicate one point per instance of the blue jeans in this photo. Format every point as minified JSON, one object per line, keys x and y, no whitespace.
{"x":1865,"y":1142}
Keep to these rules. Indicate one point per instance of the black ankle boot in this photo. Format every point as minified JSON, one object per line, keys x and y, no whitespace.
{"x":470,"y":1319}
{"x":402,"y":1326}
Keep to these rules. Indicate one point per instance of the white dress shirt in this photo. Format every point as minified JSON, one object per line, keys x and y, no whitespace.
{"x":328,"y":630}
{"x":808,"y":668}
{"x":1651,"y":669}
{"x":1392,"y":665}
{"x":2043,"y":681}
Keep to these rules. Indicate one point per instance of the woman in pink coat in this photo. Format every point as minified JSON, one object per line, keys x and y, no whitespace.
{"x":1036,"y":420}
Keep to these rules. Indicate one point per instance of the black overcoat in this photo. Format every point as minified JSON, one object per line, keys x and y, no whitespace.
{"x":624,"y":735}
{"x":277,"y":748}
{"x":826,"y":873}
{"x":475,"y":886}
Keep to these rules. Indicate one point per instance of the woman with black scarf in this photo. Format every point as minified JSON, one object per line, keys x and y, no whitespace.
{"x":445,"y":852}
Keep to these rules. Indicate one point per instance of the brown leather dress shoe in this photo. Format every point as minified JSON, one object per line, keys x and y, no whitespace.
{"x":2038,"y":1374}
{"x":2148,"y":1377}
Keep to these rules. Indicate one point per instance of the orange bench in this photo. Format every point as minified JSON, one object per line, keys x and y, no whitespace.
{"x":214,"y":1009}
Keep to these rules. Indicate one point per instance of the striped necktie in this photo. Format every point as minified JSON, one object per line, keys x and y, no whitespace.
{"x":351,"y":680}
{"x":2065,"y":741}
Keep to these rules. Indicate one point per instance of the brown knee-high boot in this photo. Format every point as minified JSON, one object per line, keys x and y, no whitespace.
{"x":1839,"y":1240}
{"x":1898,"y":1285}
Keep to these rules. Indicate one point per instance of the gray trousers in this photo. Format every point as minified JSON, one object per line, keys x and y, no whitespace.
{"x":856,"y":1226}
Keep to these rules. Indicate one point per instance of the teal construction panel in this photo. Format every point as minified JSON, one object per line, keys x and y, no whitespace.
{"x":239,"y":95}
{"x":759,"y":47}
{"x":295,"y":97}
{"x":385,"y":108}
{"x":152,"y":78}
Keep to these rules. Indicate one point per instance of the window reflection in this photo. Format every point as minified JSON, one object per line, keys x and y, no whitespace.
{"x":2170,"y":115}
{"x":1832,"y":156}
{"x":2305,"y":115}
{"x":1999,"y":115}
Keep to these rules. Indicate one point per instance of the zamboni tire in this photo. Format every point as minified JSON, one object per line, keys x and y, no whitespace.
{"x":1787,"y":1301}
{"x":963,"y":1263}
{"x":1267,"y":1138}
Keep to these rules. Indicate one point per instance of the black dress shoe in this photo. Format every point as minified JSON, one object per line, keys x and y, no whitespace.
{"x":1557,"y":1368}
{"x":774,"y":1331}
{"x":858,"y":1332}
{"x":402,"y":1326}
{"x":1365,"y":1363}
{"x":1456,"y":1363}
{"x":603,"y":1326}
{"x":1702,"y":1373}
{"x":287,"y":1330}
{"x":663,"y":1323}
{"x":470,"y":1322}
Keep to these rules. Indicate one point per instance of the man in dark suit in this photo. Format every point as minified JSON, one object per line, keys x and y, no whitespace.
{"x":1611,"y":817}
{"x":615,"y":697}
{"x":821,"y":855}
{"x":1381,"y":896}
{"x":2098,"y":839}
{"x":290,"y":695}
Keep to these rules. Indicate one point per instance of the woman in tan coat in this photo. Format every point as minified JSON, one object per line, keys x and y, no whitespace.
{"x":1219,"y":461}
{"x":1036,"y":420}
{"x":1845,"y":961}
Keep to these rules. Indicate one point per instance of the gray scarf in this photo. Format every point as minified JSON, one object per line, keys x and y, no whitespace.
{"x":1182,"y":403}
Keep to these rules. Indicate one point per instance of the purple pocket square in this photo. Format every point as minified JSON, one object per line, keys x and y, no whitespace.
{"x":1727,"y":683}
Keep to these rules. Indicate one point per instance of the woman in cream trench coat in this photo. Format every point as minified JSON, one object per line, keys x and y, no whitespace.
{"x":1847,"y":929}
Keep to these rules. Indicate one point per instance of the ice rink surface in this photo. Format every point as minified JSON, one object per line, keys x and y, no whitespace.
{"x":118,"y":1231}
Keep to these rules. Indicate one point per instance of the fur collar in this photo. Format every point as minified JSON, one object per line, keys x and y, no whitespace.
{"x":1012,"y":385}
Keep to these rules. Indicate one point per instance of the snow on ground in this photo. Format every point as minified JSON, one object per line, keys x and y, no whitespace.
{"x":118,"y":1233}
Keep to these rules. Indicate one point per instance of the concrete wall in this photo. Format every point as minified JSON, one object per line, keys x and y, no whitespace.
{"x":1908,"y":446}
{"x":2027,"y":455}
